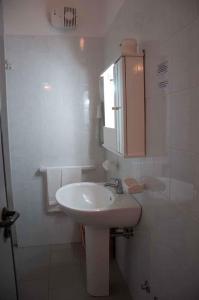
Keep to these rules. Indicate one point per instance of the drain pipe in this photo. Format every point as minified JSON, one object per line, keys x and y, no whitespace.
{"x":126,"y":232}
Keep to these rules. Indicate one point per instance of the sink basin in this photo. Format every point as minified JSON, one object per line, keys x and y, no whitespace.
{"x":92,"y":204}
{"x":99,"y":209}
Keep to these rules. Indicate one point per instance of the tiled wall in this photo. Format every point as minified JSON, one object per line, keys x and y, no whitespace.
{"x":50,"y":127}
{"x":28,"y":17}
{"x":52,"y":92}
{"x":165,"y":247}
{"x":52,"y":95}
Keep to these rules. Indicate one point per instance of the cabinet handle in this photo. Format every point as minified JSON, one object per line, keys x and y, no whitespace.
{"x":116,"y":107}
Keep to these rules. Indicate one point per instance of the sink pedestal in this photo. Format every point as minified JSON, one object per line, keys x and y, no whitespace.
{"x":99,"y":209}
{"x":97,"y":261}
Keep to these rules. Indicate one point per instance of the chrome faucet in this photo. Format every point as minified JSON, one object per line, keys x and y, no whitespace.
{"x":117,"y":184}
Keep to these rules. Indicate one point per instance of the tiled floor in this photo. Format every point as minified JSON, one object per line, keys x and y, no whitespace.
{"x":58,"y":273}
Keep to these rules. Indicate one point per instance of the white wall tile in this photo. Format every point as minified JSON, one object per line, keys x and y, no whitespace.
{"x":93,"y":17}
{"x":49,"y":127}
{"x":181,"y":129}
{"x":183,"y":49}
{"x":165,"y":245}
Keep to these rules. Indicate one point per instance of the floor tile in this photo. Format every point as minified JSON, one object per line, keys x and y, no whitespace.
{"x":70,"y":286}
{"x":58,"y":272}
{"x":33,"y":290}
{"x":32,"y":263}
{"x":65,"y":276}
{"x":71,"y":293}
{"x":67,"y":254}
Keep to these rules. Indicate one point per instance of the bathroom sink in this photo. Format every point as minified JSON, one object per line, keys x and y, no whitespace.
{"x":99,"y":209}
{"x":93,"y":204}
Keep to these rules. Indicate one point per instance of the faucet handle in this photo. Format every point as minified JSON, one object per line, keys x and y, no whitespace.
{"x":116,"y":180}
{"x":112,"y":178}
{"x":117,"y":183}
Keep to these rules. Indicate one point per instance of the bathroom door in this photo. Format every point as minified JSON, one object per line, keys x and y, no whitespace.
{"x":8,"y":287}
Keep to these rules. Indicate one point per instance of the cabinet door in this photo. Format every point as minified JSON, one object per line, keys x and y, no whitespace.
{"x":135,"y":107}
{"x":124,"y":131}
{"x":119,"y":81}
{"x":109,"y":131}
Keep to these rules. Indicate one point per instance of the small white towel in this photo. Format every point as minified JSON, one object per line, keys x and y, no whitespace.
{"x":53,"y":183}
{"x":70,"y":175}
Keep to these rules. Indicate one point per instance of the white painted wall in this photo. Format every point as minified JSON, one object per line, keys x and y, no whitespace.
{"x":165,"y":247}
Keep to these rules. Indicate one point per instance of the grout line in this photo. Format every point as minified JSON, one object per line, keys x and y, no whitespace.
{"x":192,"y":87}
{"x":176,"y":149}
{"x":170,"y":93}
{"x":49,"y":270}
{"x":188,"y":25}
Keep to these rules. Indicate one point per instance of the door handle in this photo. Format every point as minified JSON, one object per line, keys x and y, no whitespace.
{"x":8,"y":218}
{"x":116,"y":107}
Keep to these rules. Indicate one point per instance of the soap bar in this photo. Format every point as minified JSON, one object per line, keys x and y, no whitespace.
{"x":133,"y":187}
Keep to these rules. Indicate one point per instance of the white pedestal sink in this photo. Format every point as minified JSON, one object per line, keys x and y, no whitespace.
{"x":99,"y":210}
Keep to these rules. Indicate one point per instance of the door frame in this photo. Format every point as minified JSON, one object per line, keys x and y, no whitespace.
{"x":6,"y":194}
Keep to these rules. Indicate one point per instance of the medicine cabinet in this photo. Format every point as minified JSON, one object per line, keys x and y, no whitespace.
{"x":124,"y":107}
